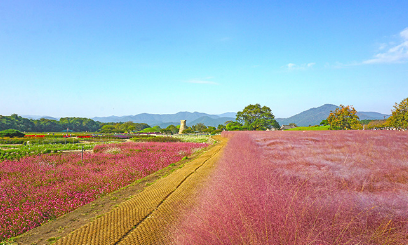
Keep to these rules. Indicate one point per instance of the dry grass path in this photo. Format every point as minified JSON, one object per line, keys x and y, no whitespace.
{"x":143,"y":219}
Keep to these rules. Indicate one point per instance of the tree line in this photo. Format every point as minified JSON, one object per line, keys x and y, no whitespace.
{"x":75,"y":124}
{"x":345,"y":117}
{"x":252,"y":117}
{"x":79,"y":124}
{"x":257,"y":117}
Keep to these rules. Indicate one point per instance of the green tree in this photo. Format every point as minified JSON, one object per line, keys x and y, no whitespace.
{"x":221,"y":127}
{"x":127,"y":126}
{"x":399,"y":116}
{"x":141,"y":126}
{"x":188,"y":130}
{"x":234,"y":126}
{"x":11,"y":133}
{"x":108,"y":129}
{"x":199,"y":127}
{"x":343,"y":118}
{"x":173,"y":129}
{"x":155,"y":129}
{"x":255,"y":117}
{"x":210,"y":129}
{"x":376,"y":124}
{"x":324,"y":122}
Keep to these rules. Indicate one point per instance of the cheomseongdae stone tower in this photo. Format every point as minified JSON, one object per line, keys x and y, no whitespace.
{"x":182,"y":126}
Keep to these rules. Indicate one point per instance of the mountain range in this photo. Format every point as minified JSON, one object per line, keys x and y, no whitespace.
{"x":163,"y":120}
{"x":311,"y":116}
{"x":314,"y":116}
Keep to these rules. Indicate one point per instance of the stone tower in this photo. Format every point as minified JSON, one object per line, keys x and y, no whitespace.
{"x":182,"y":126}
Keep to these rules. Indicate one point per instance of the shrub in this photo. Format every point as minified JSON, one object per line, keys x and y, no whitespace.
{"x":156,"y":139}
{"x":11,"y":133}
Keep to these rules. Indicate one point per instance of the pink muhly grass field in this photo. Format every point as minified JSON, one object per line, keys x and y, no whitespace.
{"x":312,"y":187}
{"x":36,"y":189}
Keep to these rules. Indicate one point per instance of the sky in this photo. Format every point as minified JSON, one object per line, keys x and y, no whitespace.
{"x":102,"y":58}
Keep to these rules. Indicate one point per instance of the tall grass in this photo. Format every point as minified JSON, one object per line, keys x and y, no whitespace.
{"x":332,"y":187}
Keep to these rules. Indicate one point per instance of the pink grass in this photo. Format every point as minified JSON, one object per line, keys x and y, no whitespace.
{"x":332,"y":187}
{"x":36,"y":189}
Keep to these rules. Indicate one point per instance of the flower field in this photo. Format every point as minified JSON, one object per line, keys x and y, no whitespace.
{"x":313,"y":187}
{"x":39,"y":188}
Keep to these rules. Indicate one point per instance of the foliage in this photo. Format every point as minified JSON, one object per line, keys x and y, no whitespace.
{"x":199,"y":127}
{"x":46,"y":125}
{"x":171,"y":129}
{"x":234,"y":126}
{"x":221,"y":127}
{"x":255,"y":117}
{"x":108,"y":129}
{"x":155,"y":139}
{"x":155,"y":129}
{"x":39,"y":188}
{"x":312,"y":128}
{"x":376,"y":124}
{"x":77,"y":124}
{"x":343,"y":118}
{"x":399,"y":116}
{"x":125,"y":127}
{"x":210,"y":129}
{"x":331,"y":187}
{"x":324,"y":122}
{"x":366,"y":121}
{"x":188,"y":130}
{"x":216,"y":131}
{"x":11,"y":133}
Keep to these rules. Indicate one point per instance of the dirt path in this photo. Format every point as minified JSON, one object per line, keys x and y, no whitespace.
{"x":136,"y":214}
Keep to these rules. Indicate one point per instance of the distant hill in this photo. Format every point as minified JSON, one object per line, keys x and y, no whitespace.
{"x":314,"y":116}
{"x":163,"y":120}
{"x":207,"y":121}
{"x":35,"y":117}
{"x":371,"y":115}
{"x":228,"y":114}
{"x":311,"y":116}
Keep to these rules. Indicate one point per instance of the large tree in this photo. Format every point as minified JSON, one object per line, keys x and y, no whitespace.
{"x":399,"y":117}
{"x":255,"y":117}
{"x":199,"y":127}
{"x":343,"y":118}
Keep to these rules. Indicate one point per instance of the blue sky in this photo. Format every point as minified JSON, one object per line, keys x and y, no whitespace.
{"x":101,"y":58}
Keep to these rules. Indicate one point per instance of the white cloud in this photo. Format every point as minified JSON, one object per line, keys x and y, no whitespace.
{"x":404,"y":33}
{"x":382,"y":46}
{"x":395,"y":54}
{"x":293,"y":67}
